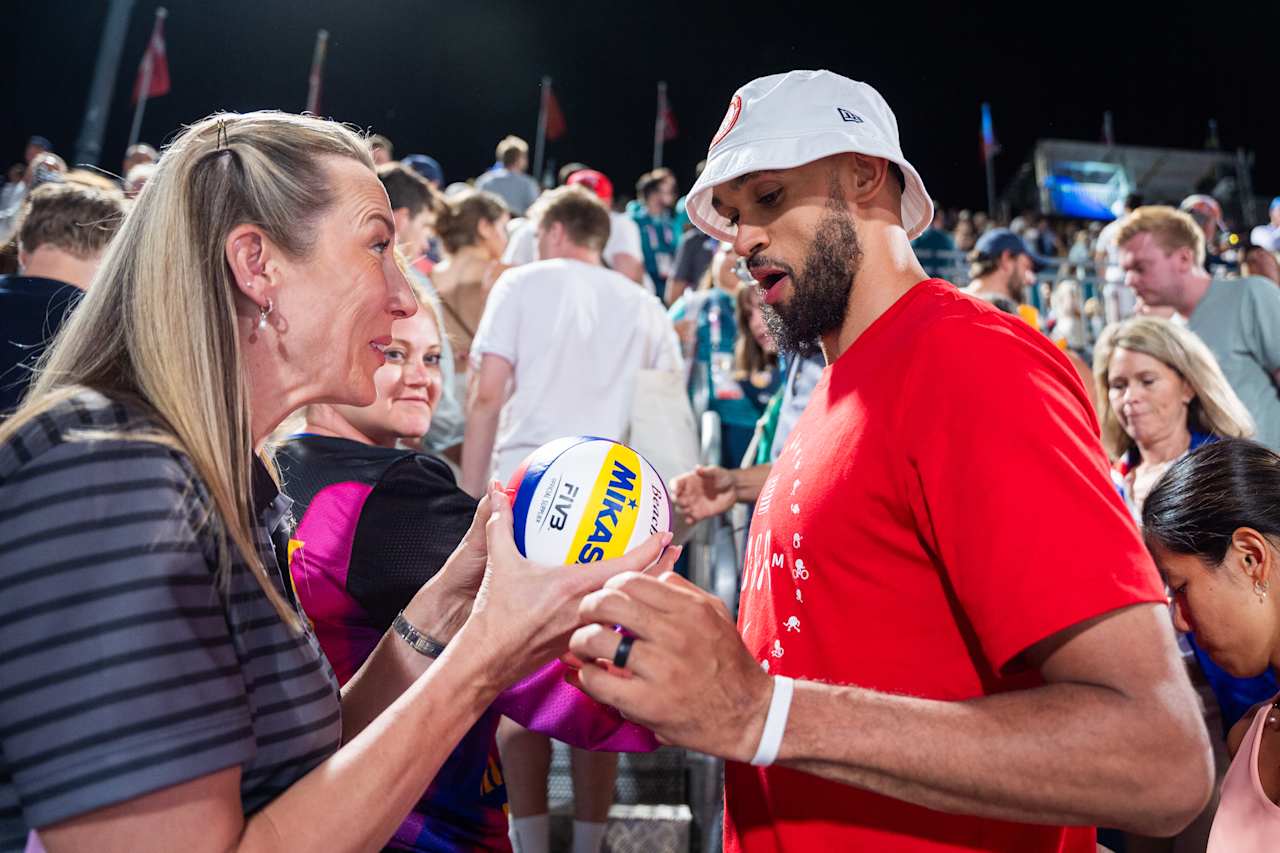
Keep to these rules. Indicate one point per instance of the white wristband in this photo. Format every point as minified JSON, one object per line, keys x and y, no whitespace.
{"x":776,"y":721}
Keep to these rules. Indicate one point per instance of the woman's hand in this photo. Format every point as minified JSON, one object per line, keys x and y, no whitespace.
{"x":524,"y":612}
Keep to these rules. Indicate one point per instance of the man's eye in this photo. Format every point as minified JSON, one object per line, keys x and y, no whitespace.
{"x":768,"y":198}
{"x":381,"y":247}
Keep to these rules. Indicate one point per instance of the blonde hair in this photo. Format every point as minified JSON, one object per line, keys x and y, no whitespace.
{"x":1215,"y":409}
{"x":157,"y":327}
{"x":1171,"y":229}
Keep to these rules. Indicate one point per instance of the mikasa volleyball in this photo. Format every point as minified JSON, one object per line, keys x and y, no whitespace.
{"x":583,"y":499}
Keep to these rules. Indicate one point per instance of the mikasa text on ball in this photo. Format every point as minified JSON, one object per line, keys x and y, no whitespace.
{"x":583,"y":499}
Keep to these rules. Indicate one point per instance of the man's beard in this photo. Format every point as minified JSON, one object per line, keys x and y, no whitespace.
{"x":819,"y":297}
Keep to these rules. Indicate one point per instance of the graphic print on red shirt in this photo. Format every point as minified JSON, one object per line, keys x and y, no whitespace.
{"x":911,"y":539}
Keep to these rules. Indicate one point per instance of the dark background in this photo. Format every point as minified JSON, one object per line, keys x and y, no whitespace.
{"x":451,"y":78}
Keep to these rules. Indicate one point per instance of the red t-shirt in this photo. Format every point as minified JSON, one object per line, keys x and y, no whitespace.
{"x":942,"y":504}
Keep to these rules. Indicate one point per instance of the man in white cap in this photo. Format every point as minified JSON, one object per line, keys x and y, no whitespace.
{"x":922,"y":661}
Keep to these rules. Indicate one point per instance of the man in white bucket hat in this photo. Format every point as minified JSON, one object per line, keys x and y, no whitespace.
{"x":919,"y":664}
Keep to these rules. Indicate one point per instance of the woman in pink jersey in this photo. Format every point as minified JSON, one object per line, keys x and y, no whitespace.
{"x":1213,"y":525}
{"x":375,"y":521}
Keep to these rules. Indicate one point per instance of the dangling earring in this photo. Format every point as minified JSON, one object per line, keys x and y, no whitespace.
{"x":1260,"y":590}
{"x":262,"y":314}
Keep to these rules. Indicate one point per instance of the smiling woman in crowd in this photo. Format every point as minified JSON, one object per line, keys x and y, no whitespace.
{"x":376,"y":521}
{"x":161,"y":688}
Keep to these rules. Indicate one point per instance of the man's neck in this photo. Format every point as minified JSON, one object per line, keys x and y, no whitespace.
{"x":580,"y":254}
{"x":1194,"y":287}
{"x":887,"y":271}
{"x":655,"y":209}
{"x":47,"y":262}
{"x":989,"y":286}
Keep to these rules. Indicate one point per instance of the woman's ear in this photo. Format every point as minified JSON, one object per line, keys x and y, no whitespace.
{"x":1253,"y":554}
{"x":248,"y":252}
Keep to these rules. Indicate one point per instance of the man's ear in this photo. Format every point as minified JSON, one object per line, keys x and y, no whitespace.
{"x":869,"y":174}
{"x":248,"y":252}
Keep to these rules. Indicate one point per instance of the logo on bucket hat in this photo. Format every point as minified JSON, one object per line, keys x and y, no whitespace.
{"x":730,"y":119}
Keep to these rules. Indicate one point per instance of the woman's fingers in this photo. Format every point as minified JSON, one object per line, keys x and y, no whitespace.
{"x":498,"y":530}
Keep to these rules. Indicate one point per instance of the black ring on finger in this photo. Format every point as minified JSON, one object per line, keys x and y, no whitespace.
{"x":623,"y":651}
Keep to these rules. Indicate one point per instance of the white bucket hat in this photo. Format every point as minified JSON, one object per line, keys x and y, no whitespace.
{"x":786,"y":120}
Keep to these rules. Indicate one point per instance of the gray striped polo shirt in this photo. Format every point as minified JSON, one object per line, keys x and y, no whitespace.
{"x":124,"y":666}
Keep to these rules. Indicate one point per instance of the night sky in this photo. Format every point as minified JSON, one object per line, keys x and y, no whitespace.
{"x":451,"y":78}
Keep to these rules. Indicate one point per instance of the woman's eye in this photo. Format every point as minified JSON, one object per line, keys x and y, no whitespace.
{"x":382,"y":246}
{"x":431,"y":359}
{"x":393,"y":354}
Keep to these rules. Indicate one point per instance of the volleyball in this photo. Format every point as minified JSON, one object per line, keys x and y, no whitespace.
{"x":583,"y":499}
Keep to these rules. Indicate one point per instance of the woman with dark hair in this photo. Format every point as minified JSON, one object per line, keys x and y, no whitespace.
{"x":1212,"y":524}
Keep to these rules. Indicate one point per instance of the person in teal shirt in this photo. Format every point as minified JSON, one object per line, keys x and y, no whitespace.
{"x":707,"y":321}
{"x":656,"y":192}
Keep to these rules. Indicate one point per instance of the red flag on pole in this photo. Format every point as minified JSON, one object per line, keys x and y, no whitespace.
{"x":153,"y":71}
{"x":556,"y":126}
{"x":670,"y":130}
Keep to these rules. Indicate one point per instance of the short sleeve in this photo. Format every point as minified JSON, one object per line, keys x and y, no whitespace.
{"x":1011,"y":489}
{"x":1262,"y":319}
{"x":499,"y":324}
{"x":627,"y":239}
{"x":411,"y":522}
{"x":118,"y":674}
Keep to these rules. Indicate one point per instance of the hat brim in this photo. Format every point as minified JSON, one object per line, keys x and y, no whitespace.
{"x":728,"y":162}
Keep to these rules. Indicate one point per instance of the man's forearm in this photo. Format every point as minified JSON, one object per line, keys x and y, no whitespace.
{"x":477,"y":446}
{"x":747,"y":482}
{"x":1092,"y":757}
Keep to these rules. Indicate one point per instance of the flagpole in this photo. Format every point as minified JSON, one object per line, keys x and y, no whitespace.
{"x":660,"y":124}
{"x":540,"y":140}
{"x":110,"y":49}
{"x":317,"y":70}
{"x":147,"y":66}
{"x":988,"y":156}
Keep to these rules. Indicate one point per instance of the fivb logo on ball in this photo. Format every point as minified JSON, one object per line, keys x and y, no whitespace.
{"x":579,"y":500}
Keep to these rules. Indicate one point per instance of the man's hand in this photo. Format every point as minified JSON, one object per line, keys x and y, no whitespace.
{"x":688,"y":678}
{"x":524,"y":612}
{"x":706,"y":491}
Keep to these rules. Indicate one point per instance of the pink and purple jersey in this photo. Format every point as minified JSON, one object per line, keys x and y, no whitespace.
{"x":374,"y":525}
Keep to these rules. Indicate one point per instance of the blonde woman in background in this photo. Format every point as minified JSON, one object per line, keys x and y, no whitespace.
{"x":162,"y":690}
{"x":1161,"y":393}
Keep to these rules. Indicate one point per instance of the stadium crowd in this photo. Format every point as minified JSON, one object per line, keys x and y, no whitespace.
{"x":203,"y":338}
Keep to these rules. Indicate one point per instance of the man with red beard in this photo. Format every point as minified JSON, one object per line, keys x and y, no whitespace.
{"x":918,"y":665}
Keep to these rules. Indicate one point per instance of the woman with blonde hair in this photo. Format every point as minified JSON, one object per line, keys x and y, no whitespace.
{"x":162,"y":689}
{"x":1161,"y":393}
